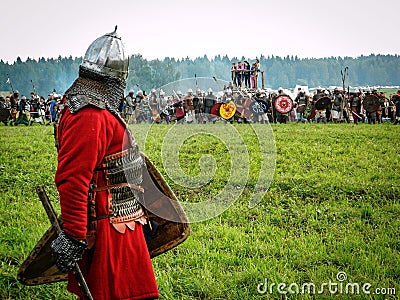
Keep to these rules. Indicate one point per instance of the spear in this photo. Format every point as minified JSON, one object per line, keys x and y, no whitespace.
{"x":34,"y":89}
{"x":195,"y":77}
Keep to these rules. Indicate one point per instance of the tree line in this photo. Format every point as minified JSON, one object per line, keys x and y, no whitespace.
{"x":57,"y":74}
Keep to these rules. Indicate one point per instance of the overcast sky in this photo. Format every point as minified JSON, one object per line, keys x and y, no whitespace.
{"x":178,"y":28}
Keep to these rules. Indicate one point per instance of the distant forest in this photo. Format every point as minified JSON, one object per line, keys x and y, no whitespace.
{"x":58,"y":74}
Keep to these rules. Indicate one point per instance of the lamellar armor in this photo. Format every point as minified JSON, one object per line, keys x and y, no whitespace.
{"x":123,"y":172}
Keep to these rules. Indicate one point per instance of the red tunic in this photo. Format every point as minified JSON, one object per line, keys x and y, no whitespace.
{"x":119,"y":265}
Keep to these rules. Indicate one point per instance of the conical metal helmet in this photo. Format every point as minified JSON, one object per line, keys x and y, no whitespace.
{"x":106,"y":55}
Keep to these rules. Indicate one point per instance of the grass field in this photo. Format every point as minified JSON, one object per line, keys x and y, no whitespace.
{"x":332,"y":210}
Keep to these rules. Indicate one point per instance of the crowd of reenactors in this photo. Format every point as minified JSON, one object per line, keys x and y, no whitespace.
{"x":200,"y":106}
{"x":19,"y":110}
{"x":230,"y":104}
{"x":337,"y":105}
{"x":261,"y":106}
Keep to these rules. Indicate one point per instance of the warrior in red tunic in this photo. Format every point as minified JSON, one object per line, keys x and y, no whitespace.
{"x":98,"y":179}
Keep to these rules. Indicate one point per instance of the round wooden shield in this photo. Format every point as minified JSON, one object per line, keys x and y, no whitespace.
{"x":243,"y":109}
{"x":371,"y":103}
{"x":323,"y":103}
{"x":227,"y":110}
{"x":4,"y":114}
{"x":215,"y":109}
{"x":283,"y":104}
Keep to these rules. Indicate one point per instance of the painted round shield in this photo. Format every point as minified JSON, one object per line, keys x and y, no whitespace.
{"x":215,"y":109}
{"x":4,"y":114}
{"x":283,"y":104}
{"x":322,"y":103}
{"x":227,"y":110}
{"x":243,"y":109}
{"x":259,"y":107}
{"x":371,"y":103}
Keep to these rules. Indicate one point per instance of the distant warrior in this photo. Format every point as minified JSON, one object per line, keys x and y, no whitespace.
{"x":320,"y":114}
{"x":179,"y":108}
{"x":14,"y":102}
{"x":262,"y":117}
{"x":23,"y":115}
{"x":154,"y":106}
{"x":209,"y":102}
{"x":5,"y":108}
{"x":355,"y":106}
{"x":198,"y":100}
{"x":396,"y":101}
{"x":274,"y":113}
{"x":129,"y":108}
{"x":337,"y":103}
{"x":301,"y":105}
{"x":139,"y":107}
{"x":372,"y":114}
{"x":163,"y":107}
{"x":281,"y":118}
{"x":53,"y":108}
{"x":189,"y":107}
{"x":385,"y":104}
{"x":35,"y":110}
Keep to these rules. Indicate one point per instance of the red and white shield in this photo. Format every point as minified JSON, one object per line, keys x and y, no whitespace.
{"x":283,"y":104}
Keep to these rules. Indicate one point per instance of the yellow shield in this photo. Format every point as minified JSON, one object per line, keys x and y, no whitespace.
{"x":227,"y":110}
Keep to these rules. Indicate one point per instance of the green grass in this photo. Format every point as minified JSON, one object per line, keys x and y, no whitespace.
{"x":333,"y":206}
